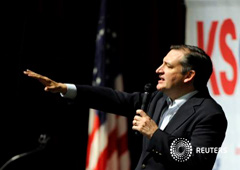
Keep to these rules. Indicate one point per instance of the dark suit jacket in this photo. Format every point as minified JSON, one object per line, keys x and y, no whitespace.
{"x":200,"y":120}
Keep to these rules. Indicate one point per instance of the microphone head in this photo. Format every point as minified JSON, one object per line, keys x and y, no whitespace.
{"x":148,"y":88}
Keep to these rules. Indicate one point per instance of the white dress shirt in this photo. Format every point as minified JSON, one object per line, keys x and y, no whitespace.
{"x":71,"y":91}
{"x":172,"y":108}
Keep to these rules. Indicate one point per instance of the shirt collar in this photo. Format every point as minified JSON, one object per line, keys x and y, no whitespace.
{"x":181,"y":100}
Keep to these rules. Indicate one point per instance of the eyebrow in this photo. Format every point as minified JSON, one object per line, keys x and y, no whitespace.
{"x":167,"y":63}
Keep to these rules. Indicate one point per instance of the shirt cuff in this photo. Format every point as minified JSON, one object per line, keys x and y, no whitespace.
{"x":71,"y":91}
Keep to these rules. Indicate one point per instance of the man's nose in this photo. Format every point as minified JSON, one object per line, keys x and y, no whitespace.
{"x":159,"y":69}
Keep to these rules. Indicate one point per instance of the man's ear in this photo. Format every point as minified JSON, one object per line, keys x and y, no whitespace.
{"x":189,"y":76}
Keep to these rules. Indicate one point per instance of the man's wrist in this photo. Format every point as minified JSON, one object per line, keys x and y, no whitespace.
{"x":71,"y":91}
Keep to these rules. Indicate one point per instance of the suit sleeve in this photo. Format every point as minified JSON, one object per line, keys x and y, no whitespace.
{"x":108,"y":100}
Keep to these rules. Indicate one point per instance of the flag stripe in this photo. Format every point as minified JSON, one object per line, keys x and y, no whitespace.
{"x":122,"y":147}
{"x":93,"y":122}
{"x":102,"y":161}
{"x":112,"y":144}
{"x":96,"y":150}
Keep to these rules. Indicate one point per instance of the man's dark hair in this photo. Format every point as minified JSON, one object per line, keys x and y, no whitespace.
{"x":196,"y":59}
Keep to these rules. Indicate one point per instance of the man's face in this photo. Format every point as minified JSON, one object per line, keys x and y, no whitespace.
{"x":171,"y":79}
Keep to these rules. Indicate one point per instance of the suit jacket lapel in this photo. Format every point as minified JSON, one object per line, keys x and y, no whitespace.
{"x":156,"y":105}
{"x":184,"y":112}
{"x":159,"y":105}
{"x":154,"y":111}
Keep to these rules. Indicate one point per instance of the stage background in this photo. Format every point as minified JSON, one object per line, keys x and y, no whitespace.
{"x":57,"y":39}
{"x":214,"y":26}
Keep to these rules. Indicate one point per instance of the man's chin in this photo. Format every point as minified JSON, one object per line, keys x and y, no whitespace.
{"x":159,"y":88}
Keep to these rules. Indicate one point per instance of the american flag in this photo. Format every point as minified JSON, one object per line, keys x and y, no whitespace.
{"x":107,"y":134}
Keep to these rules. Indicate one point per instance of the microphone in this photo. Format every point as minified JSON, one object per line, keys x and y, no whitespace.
{"x":43,"y":139}
{"x":146,"y":96}
{"x":148,"y":89}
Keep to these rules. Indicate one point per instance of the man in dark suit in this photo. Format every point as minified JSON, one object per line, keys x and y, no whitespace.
{"x":183,"y":126}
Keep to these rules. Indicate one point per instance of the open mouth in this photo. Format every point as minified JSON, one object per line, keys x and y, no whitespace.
{"x":161,"y":79}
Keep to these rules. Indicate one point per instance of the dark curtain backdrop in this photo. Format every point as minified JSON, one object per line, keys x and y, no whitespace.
{"x":57,"y":39}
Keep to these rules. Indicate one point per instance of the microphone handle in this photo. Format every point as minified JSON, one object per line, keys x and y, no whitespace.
{"x":145,"y":101}
{"x":143,"y":106}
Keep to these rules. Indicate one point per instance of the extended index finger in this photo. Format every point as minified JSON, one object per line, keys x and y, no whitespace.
{"x":32,"y":74}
